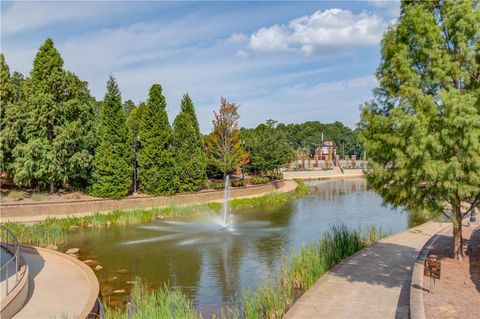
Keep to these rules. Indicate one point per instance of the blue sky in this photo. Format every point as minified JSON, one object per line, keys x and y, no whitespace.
{"x":288,"y":61}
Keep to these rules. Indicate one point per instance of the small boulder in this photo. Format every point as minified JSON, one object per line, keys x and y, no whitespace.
{"x":90,"y":225}
{"x":122,"y":271}
{"x":74,"y":227}
{"x":72,"y":251}
{"x":89,"y":261}
{"x":98,"y":267}
{"x":130,"y":282}
{"x":119,"y":291}
{"x":108,"y":223}
{"x":159,"y":217}
{"x":52,"y":247}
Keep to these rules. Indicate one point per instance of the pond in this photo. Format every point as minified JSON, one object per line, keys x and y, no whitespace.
{"x":212,"y":267}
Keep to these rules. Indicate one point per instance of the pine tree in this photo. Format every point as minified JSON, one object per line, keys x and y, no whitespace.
{"x":113,"y":166}
{"x":189,"y":149}
{"x":56,"y":143}
{"x":422,"y":131}
{"x":156,"y":170}
{"x":5,"y":99}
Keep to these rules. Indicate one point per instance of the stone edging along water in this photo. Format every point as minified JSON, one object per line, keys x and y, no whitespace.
{"x":32,"y":212}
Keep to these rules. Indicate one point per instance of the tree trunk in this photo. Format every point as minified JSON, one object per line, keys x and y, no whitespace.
{"x":52,"y":187}
{"x":457,"y":236}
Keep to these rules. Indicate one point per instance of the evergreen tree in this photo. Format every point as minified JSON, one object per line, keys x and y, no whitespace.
{"x":128,"y":106}
{"x":5,"y":99}
{"x":189,"y":150}
{"x":156,"y":170}
{"x":133,"y":122}
{"x":223,"y":143}
{"x":113,"y":168}
{"x":56,"y":142}
{"x":422,"y":131}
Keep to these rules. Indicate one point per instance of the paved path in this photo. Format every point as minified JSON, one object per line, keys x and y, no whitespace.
{"x":374,"y":283}
{"x":57,"y":289}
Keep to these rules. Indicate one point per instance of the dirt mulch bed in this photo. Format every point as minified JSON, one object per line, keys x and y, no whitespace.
{"x":457,"y":293}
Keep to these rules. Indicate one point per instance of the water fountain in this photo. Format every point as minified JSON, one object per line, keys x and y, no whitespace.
{"x":226,"y":199}
{"x":211,"y":228}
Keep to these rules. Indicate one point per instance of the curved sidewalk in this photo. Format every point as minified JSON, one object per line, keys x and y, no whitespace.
{"x":373,"y":283}
{"x":59,"y":287}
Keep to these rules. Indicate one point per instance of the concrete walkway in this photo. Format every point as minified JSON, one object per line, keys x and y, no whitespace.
{"x":58,"y":287}
{"x":373,"y":283}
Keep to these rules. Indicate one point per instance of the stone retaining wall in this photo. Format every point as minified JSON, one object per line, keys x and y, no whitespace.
{"x":17,"y":211}
{"x":327,"y":174}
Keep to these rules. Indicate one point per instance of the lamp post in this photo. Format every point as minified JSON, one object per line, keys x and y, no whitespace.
{"x":135,"y":163}
{"x":242,"y":143}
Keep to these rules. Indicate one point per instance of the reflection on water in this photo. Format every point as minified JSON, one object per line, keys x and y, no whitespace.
{"x":213,"y":266}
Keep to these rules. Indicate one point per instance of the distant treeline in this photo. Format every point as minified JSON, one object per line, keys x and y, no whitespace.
{"x":55,"y":135}
{"x":308,"y":136}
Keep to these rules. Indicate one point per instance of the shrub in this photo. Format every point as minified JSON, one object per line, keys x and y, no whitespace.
{"x":217,"y":185}
{"x":259,"y":180}
{"x":238,"y":182}
{"x":273,"y":176}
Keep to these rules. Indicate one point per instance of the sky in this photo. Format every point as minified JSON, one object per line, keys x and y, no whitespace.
{"x":287,"y":61}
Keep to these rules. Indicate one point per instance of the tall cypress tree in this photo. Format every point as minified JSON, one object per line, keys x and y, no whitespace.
{"x":155,"y":158}
{"x":113,"y":169}
{"x":56,"y":143}
{"x":422,"y":130}
{"x":189,"y":149}
{"x":5,"y":95}
{"x":12,"y":114}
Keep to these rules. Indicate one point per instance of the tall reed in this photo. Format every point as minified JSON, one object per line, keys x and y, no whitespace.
{"x":162,"y":303}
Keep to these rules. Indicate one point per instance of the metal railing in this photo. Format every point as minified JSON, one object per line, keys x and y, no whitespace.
{"x":10,"y":243}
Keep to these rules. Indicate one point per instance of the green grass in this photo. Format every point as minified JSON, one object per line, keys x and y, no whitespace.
{"x":55,"y":230}
{"x":275,"y":295}
{"x":271,"y":198}
{"x":162,"y":303}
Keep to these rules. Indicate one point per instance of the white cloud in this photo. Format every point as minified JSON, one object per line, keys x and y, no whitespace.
{"x":241,"y":54}
{"x":270,"y":39}
{"x":27,"y":15}
{"x":321,"y":31}
{"x":237,"y":38}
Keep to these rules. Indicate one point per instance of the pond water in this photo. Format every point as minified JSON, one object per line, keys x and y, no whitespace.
{"x":213,"y":267}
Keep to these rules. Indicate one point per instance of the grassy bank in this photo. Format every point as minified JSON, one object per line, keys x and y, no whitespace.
{"x":55,"y":230}
{"x":273,"y":297}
